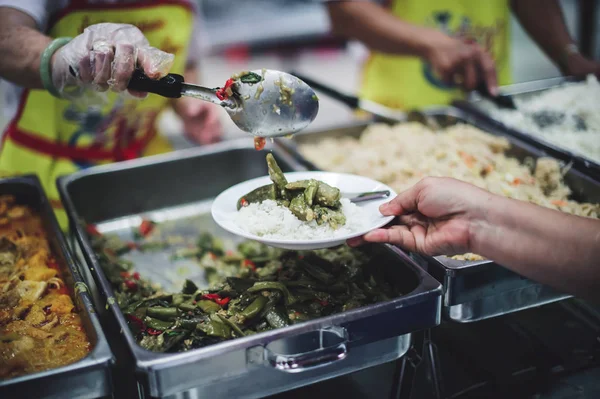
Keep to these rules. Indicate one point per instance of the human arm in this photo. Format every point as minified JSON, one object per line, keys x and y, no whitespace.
{"x":544,"y":22}
{"x":102,"y":57}
{"x":21,"y":46}
{"x":443,"y":216}
{"x":381,"y":31}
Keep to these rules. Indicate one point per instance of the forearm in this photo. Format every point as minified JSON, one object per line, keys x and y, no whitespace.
{"x":378,"y":29}
{"x":545,"y":23}
{"x":548,"y":246}
{"x":21,"y":46}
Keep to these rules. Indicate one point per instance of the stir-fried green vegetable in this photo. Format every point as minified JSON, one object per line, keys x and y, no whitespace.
{"x":307,"y":199}
{"x":252,"y":289}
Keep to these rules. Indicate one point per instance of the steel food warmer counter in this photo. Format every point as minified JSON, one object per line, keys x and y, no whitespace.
{"x":179,"y":188}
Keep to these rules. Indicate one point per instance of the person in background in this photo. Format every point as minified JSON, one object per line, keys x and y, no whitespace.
{"x":444,"y":216}
{"x":66,"y":65}
{"x":426,"y":52}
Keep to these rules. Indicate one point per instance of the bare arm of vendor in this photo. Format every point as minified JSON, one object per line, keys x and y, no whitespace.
{"x":444,"y":216}
{"x":21,"y":46}
{"x":102,"y":57}
{"x":381,"y":31}
{"x":545,"y":23}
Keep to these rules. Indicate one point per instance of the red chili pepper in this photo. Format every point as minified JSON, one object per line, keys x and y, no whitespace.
{"x":222,"y":301}
{"x":300,"y":256}
{"x":324,"y":303}
{"x":152,"y":331}
{"x":222,"y":93}
{"x":229,"y":252}
{"x":131,"y":245}
{"x":92,"y":230}
{"x":212,"y":255}
{"x":216,"y":298}
{"x":136,"y":275}
{"x":249,"y":263}
{"x":244,"y":202}
{"x":131,"y":285}
{"x":146,"y":227}
{"x":259,"y":143}
{"x":125,"y":274}
{"x":137,"y":321}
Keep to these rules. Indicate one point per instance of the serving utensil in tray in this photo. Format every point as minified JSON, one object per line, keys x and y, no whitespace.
{"x":473,"y":290}
{"x":475,"y":105}
{"x":89,"y":377}
{"x":176,"y":190}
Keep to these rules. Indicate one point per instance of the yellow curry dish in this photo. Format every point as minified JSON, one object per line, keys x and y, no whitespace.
{"x":40,"y":328}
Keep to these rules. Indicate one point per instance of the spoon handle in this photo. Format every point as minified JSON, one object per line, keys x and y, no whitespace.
{"x":370,"y":196}
{"x":170,"y":86}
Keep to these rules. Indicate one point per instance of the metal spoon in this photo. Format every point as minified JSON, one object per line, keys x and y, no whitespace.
{"x":368,"y":196}
{"x":264,"y":103}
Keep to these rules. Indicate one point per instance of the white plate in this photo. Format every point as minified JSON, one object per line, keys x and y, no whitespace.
{"x":224,"y":209}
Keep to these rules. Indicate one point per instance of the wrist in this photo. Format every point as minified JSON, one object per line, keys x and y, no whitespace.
{"x":487,"y":222}
{"x":567,"y":52}
{"x":427,"y":42}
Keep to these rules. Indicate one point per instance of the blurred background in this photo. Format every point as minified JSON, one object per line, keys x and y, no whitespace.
{"x":294,"y":34}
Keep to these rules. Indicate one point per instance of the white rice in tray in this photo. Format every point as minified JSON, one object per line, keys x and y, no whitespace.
{"x":272,"y":221}
{"x":580,"y":100}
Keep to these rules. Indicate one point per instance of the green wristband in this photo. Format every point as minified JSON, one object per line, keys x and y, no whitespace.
{"x":45,"y":64}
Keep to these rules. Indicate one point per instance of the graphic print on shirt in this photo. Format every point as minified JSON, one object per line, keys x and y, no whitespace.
{"x":466,"y":31}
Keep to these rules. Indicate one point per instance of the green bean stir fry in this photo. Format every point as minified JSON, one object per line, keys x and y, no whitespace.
{"x":253,"y":289}
{"x":307,"y":199}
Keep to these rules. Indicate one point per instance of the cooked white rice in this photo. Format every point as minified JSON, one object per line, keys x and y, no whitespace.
{"x":272,"y":221}
{"x":577,"y":99}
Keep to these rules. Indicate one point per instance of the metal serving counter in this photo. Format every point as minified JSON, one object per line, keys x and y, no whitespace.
{"x":472,"y":290}
{"x":177,"y":189}
{"x":89,"y":377}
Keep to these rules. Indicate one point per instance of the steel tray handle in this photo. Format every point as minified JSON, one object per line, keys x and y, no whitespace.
{"x":321,"y":357}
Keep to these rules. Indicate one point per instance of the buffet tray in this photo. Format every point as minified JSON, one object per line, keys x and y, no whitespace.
{"x":474,"y":105}
{"x":90,"y":377}
{"x":177,"y":190}
{"x":473,"y":290}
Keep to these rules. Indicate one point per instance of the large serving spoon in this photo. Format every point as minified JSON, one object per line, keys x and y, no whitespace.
{"x":264,"y":103}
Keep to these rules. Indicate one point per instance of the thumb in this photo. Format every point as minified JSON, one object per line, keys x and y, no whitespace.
{"x":154,"y":62}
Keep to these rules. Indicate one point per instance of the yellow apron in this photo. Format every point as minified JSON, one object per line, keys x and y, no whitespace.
{"x":408,"y":82}
{"x":52,"y":137}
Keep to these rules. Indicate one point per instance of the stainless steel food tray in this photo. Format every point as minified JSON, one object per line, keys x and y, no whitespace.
{"x":475,"y":106}
{"x":91,"y":376}
{"x":177,"y":189}
{"x":472,"y":290}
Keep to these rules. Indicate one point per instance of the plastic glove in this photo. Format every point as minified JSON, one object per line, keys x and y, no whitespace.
{"x":104,"y":56}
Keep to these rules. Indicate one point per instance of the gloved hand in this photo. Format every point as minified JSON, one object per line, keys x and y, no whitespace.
{"x":104,"y":56}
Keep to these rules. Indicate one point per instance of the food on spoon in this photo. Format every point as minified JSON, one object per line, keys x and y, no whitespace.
{"x":277,"y":209}
{"x":39,"y":326}
{"x":259,"y":143}
{"x":253,"y":288}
